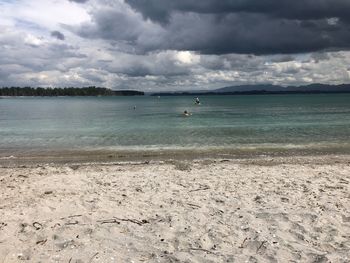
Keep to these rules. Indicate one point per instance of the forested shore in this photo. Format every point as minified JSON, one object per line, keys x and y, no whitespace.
{"x":67,"y":91}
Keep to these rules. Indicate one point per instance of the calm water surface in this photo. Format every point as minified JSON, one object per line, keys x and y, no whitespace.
{"x":223,"y":122}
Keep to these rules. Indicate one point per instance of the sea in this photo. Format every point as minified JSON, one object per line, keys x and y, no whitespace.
{"x":247,"y":124}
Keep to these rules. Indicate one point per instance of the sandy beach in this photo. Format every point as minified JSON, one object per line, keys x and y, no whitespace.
{"x":287,"y":209}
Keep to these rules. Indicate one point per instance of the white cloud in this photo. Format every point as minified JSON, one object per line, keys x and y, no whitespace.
{"x":43,"y":13}
{"x":187,"y":57}
{"x":33,"y":40}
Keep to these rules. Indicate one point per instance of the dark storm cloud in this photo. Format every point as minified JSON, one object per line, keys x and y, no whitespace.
{"x":250,"y":33}
{"x":224,"y":27}
{"x":232,"y":33}
{"x":58,"y":35}
{"x":161,"y":10}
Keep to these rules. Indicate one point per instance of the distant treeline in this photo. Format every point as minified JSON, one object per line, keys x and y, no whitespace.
{"x":71,"y":91}
{"x":262,"y":89}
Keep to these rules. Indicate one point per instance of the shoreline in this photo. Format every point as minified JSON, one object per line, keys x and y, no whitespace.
{"x":111,"y":156}
{"x":181,"y":163}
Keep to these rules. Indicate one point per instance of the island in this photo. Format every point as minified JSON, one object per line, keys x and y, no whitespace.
{"x":67,"y":91}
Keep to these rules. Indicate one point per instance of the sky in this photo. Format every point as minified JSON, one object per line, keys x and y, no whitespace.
{"x":173,"y":45}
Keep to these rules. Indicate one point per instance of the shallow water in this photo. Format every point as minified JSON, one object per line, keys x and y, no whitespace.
{"x":29,"y":125}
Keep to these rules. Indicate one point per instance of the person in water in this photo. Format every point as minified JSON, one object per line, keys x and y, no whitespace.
{"x":197,"y":101}
{"x":186,"y":113}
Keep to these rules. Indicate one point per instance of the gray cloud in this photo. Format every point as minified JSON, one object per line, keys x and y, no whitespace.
{"x":161,"y":10}
{"x":266,"y":27}
{"x":20,"y":59}
{"x":58,"y":35}
{"x":78,"y":1}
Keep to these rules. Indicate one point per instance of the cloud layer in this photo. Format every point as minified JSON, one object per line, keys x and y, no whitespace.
{"x":173,"y":45}
{"x":161,"y":10}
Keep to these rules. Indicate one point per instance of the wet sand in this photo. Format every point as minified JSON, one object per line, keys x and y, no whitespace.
{"x":280,"y":209}
{"x":15,"y":157}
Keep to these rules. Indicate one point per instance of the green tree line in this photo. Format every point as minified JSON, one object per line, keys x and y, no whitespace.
{"x":67,"y":91}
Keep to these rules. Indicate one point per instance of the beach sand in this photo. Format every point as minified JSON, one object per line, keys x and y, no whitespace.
{"x":294,"y":209}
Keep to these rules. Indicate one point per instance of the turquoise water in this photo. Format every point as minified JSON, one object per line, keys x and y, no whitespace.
{"x":220,"y":122}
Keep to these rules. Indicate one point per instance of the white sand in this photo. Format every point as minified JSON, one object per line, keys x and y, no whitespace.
{"x":200,"y":211}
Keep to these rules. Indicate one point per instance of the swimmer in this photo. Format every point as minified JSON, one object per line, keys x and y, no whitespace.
{"x":186,"y":113}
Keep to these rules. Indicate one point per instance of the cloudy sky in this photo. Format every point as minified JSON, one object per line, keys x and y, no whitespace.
{"x":158,"y":45}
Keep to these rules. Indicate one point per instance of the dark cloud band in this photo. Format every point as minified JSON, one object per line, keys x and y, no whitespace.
{"x":224,"y":33}
{"x":161,"y":10}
